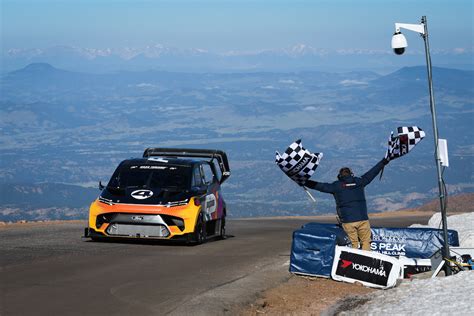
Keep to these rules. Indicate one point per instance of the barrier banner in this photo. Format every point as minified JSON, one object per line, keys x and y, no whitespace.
{"x":313,"y":246}
{"x":419,"y":243}
{"x":366,"y":267}
{"x":312,"y":249}
{"x":341,"y":237}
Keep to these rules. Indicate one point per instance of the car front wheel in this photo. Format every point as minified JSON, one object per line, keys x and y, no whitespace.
{"x":200,"y":231}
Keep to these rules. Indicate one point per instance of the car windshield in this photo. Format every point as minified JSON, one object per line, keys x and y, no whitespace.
{"x":152,"y":177}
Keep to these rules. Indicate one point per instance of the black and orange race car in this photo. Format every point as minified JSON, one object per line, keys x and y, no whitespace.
{"x":169,"y":193}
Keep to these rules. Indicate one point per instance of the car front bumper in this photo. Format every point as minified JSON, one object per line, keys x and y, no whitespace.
{"x":141,"y":221}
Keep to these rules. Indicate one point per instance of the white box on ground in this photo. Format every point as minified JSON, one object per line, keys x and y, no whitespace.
{"x":369,"y":268}
{"x":406,"y":263}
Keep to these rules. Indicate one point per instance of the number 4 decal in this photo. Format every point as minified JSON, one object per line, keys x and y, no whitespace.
{"x":210,"y":206}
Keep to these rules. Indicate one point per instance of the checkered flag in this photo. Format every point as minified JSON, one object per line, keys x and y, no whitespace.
{"x":297,"y":162}
{"x":407,"y":137}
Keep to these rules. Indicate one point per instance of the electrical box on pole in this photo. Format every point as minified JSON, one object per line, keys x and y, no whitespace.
{"x":443,"y":152}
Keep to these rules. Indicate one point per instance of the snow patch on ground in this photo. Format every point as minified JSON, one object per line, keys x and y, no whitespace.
{"x":438,"y":296}
{"x":462,"y":223}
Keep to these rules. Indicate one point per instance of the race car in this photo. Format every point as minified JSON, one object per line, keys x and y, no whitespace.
{"x":169,"y":193}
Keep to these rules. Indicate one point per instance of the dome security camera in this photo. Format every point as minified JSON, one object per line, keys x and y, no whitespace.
{"x":399,"y":42}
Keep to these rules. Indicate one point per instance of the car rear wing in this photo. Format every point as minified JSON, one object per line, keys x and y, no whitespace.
{"x":219,"y":155}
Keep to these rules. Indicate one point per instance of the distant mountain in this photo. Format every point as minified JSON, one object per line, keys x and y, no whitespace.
{"x":458,"y":81}
{"x":37,"y":68}
{"x":461,"y":203}
{"x":159,"y":57}
{"x":36,"y":74}
{"x":45,"y":195}
{"x":44,"y":201}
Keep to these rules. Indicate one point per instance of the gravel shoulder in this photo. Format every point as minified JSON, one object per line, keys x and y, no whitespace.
{"x":305,"y":296}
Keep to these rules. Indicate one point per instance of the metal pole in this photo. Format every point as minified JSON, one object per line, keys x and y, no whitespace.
{"x":442,"y":198}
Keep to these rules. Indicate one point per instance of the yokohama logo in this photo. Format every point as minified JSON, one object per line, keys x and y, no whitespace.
{"x":363,"y":268}
{"x":345,"y":263}
{"x":368,"y":269}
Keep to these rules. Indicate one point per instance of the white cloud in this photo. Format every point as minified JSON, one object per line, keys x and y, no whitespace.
{"x":348,"y":82}
{"x":142,"y":85}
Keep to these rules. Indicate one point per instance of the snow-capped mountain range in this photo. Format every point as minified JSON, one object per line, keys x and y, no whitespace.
{"x":126,"y":53}
{"x":159,"y":56}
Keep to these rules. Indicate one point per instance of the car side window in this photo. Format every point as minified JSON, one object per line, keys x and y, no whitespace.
{"x":207,"y":173}
{"x":197,"y":178}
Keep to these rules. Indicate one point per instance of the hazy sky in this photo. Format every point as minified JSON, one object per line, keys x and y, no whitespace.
{"x":221,"y":25}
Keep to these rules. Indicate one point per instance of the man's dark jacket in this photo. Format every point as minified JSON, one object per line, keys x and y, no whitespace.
{"x":349,"y":194}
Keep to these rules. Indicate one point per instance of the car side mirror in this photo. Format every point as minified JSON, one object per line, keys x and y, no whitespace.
{"x":101,"y":186}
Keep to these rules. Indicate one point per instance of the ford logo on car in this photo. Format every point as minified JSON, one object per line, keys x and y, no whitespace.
{"x":142,"y":194}
{"x":137,"y":218}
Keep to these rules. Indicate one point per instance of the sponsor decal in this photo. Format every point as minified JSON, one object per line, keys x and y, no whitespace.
{"x":137,"y":218}
{"x":389,"y":245}
{"x":349,"y":185}
{"x":153,"y":167}
{"x":210,"y":206}
{"x":300,"y":165}
{"x":363,"y":268}
{"x":345,"y":263}
{"x":142,"y":194}
{"x":360,"y":267}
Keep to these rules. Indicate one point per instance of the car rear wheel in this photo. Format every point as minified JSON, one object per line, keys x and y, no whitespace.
{"x":200,"y":230}
{"x":222,"y":231}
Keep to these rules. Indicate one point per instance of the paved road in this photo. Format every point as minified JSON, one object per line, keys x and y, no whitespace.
{"x":50,"y":270}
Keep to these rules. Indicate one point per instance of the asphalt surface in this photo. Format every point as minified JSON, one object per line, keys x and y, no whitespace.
{"x":49,"y":269}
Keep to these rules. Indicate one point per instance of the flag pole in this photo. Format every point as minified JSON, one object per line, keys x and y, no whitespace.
{"x":309,"y":194}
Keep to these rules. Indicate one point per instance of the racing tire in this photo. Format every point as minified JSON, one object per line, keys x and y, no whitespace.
{"x":200,"y":234}
{"x":222,"y":231}
{"x":98,"y":238}
{"x":93,"y":236}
